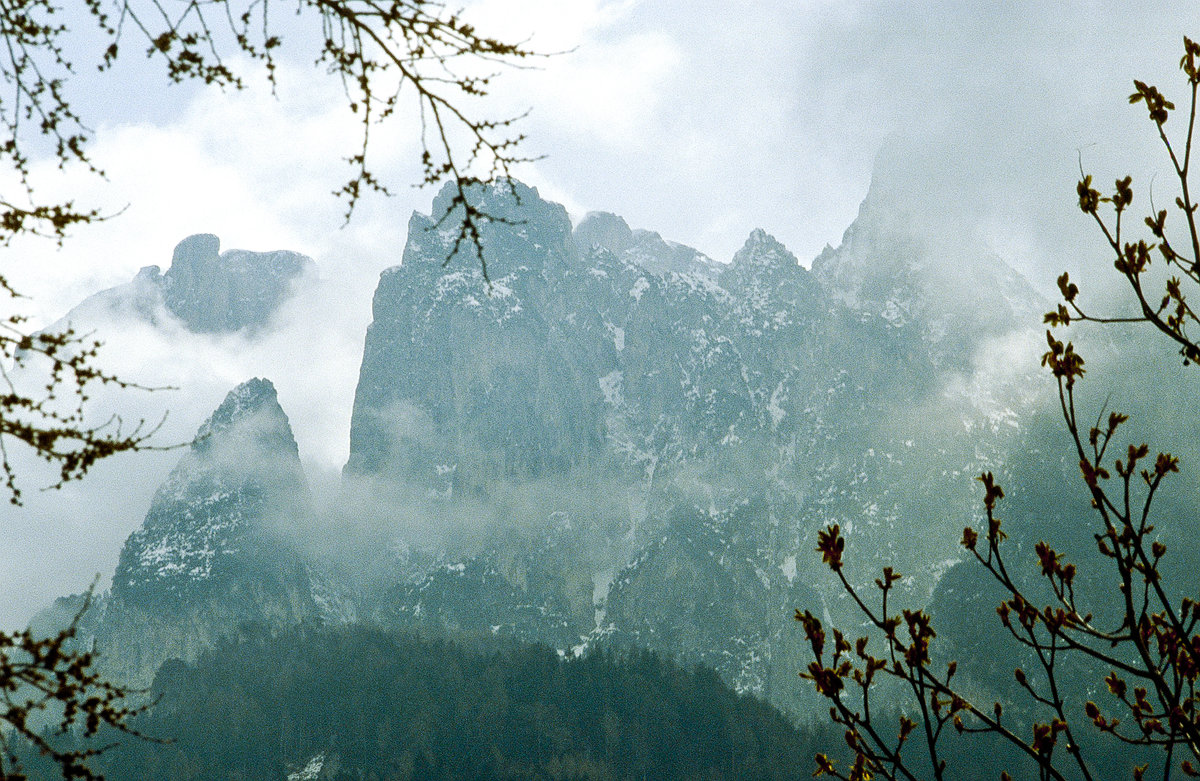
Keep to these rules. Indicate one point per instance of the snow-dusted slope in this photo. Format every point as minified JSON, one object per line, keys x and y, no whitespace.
{"x":217,"y":548}
{"x":618,"y":440}
{"x":216,"y":516}
{"x":734,"y":409}
{"x":926,"y":281}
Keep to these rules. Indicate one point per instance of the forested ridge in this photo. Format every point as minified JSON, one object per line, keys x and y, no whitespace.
{"x":377,"y":705}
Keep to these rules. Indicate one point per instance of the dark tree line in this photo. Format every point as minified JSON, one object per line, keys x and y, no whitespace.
{"x":383,"y":706}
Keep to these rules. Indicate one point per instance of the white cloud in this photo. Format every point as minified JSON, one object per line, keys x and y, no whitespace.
{"x":548,"y":26}
{"x":612,"y":91}
{"x":257,"y":171}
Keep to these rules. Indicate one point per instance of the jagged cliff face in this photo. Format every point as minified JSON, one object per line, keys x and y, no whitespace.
{"x":217,"y":547}
{"x":530,"y":592}
{"x":209,"y":291}
{"x":611,"y":349}
{"x":707,"y":591}
{"x":608,"y":347}
{"x":945,"y":294}
{"x":737,"y":407}
{"x":507,"y":395}
{"x":217,"y":292}
{"x":640,"y":442}
{"x":221,"y":511}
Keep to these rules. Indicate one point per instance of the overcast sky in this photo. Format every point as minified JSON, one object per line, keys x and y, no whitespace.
{"x":701,"y":120}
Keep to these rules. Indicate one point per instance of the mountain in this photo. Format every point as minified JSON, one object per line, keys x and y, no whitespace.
{"x":618,"y":441}
{"x":520,"y":401}
{"x":927,"y":281}
{"x":207,"y":290}
{"x":642,"y":443}
{"x":218,"y":546}
{"x":647,"y":248}
{"x":705,"y":592}
{"x":212,"y":524}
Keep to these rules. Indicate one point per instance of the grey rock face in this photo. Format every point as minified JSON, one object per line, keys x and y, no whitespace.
{"x":216,"y":548}
{"x":209,"y":291}
{"x":215,"y":518}
{"x":510,"y":394}
{"x":480,"y":596}
{"x":701,"y":592}
{"x":572,"y":358}
{"x":216,"y":292}
{"x":738,"y":408}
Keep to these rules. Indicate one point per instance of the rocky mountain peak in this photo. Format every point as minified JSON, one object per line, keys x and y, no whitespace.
{"x":219,"y":548}
{"x":208,"y":290}
{"x":196,"y":254}
{"x":764,"y":250}
{"x":253,"y":402}
{"x":504,"y":199}
{"x":878,"y":260}
{"x":769,"y":286}
{"x":906,"y":271}
{"x":222,"y":292}
{"x":603,"y":229}
{"x":219,"y":511}
{"x":646,"y":249}
{"x":523,"y":233}
{"x":659,"y":256}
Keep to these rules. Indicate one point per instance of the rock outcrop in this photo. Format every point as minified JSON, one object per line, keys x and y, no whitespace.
{"x":218,"y":548}
{"x":209,"y":291}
